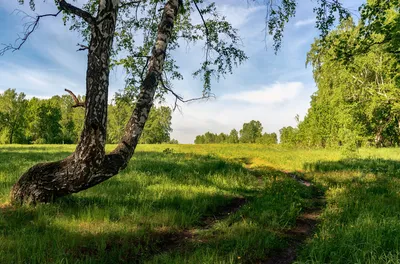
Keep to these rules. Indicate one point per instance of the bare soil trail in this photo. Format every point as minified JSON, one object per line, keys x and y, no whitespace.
{"x":303,"y":229}
{"x":296,"y":236}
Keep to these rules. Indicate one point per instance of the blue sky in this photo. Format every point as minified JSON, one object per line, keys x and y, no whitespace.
{"x":267,"y":87}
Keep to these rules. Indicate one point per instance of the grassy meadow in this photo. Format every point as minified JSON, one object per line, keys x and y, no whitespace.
{"x":208,"y":204}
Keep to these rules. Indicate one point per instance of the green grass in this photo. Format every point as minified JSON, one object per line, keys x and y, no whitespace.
{"x":136,"y":216}
{"x":361,"y":223}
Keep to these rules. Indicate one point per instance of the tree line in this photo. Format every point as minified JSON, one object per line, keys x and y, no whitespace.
{"x":57,"y":121}
{"x":149,"y":63}
{"x":250,"y":133}
{"x":357,"y":102}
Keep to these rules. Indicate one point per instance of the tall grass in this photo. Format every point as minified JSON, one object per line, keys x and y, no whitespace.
{"x":140,"y":216}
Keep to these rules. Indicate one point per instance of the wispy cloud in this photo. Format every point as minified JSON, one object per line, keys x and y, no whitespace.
{"x":217,"y":117}
{"x":238,"y":15}
{"x":304,"y":22}
{"x":37,"y":81}
{"x":275,"y":93}
{"x":48,"y":63}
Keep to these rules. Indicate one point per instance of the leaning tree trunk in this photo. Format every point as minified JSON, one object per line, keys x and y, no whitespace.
{"x":89,"y":165}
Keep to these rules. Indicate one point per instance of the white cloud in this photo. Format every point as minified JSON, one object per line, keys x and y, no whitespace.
{"x":238,"y":15}
{"x":53,"y":65}
{"x":304,"y":22}
{"x":37,"y":81}
{"x":33,"y":78}
{"x":221,"y":115}
{"x":43,"y":83}
{"x":28,"y":96}
{"x":276,"y":93}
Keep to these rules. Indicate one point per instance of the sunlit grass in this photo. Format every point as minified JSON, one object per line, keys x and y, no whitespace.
{"x":169,"y":189}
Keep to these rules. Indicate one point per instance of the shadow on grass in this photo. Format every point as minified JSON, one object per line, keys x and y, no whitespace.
{"x":13,"y":164}
{"x":361,"y":223}
{"x":28,"y":237}
{"x":176,"y":175}
{"x":25,"y":148}
{"x":133,"y":216}
{"x":370,"y":165}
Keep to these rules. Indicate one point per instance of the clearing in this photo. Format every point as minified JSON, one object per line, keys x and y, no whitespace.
{"x":212,"y":204}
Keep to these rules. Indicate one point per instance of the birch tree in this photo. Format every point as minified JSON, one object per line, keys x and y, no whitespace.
{"x":111,"y":27}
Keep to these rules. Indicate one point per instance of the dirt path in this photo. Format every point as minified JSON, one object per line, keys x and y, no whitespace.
{"x":161,"y":241}
{"x":176,"y":241}
{"x":304,"y":228}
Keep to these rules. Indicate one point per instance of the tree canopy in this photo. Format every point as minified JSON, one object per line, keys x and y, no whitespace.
{"x":56,"y":121}
{"x":250,"y":133}
{"x":357,"y":76}
{"x":110,"y":28}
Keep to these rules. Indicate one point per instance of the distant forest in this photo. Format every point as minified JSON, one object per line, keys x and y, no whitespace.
{"x":250,"y":133}
{"x":58,"y":121}
{"x":357,"y":102}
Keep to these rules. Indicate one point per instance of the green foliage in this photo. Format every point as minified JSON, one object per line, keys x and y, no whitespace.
{"x":233,"y":137}
{"x":173,"y":141}
{"x":326,"y":13}
{"x":118,"y":116}
{"x":44,"y":121}
{"x":70,"y":127}
{"x":200,"y":139}
{"x":158,"y":126}
{"x":157,"y":129}
{"x":279,"y":13}
{"x":55,"y":120}
{"x":12,"y":119}
{"x":277,"y":17}
{"x":350,"y":146}
{"x":267,"y":139}
{"x":380,"y":26}
{"x":210,"y":138}
{"x":220,"y":40}
{"x":250,"y":132}
{"x":357,"y":102}
{"x":288,"y":136}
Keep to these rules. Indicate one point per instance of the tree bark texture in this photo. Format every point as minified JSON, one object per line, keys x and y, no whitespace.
{"x":89,"y":165}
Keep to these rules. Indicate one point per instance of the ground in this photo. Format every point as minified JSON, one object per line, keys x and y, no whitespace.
{"x":212,"y":204}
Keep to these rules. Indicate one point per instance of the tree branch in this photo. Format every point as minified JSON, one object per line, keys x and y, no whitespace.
{"x":82,"y":47}
{"x":76,"y":100}
{"x":202,"y":18}
{"x":208,"y":45}
{"x":130,"y":4}
{"x":29,"y":28}
{"x":76,"y":11}
{"x":180,"y":98}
